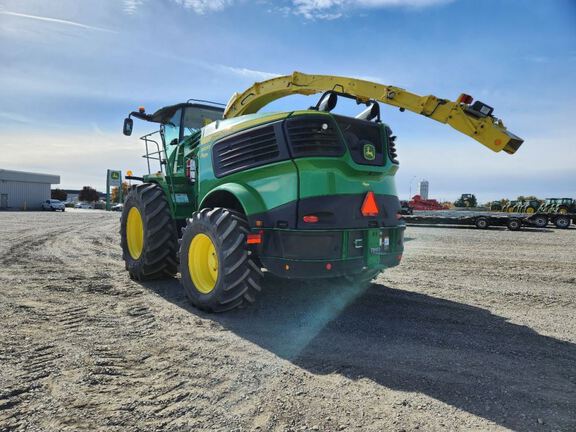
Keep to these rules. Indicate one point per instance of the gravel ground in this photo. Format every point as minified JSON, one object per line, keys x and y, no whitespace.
{"x":475,"y":330}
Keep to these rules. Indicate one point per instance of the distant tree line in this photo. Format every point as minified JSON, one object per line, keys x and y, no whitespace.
{"x":58,"y":194}
{"x":115,"y":196}
{"x":88,"y":194}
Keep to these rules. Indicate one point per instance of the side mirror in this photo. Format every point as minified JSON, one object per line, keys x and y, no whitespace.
{"x":128,"y":125}
{"x":328,"y":102}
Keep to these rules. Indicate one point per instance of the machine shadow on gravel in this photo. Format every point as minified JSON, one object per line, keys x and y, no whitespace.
{"x":459,"y":354}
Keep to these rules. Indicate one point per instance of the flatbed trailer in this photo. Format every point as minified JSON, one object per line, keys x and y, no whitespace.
{"x":484,"y":220}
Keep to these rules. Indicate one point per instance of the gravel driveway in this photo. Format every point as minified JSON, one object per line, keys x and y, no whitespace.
{"x":475,"y":330}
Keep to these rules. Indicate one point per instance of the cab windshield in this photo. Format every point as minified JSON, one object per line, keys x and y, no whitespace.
{"x":195,"y":118}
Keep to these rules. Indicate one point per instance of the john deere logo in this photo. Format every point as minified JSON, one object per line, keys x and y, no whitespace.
{"x":115,"y":175}
{"x":369,"y":152}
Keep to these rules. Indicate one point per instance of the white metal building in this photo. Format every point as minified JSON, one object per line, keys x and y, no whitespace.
{"x":21,"y":190}
{"x":424,"y":187}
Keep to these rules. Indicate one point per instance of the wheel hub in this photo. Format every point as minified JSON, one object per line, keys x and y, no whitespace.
{"x":203,"y":263}
{"x":135,"y":233}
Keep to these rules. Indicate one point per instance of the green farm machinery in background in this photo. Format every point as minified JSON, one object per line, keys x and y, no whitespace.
{"x":558,"y":205}
{"x":509,"y":206}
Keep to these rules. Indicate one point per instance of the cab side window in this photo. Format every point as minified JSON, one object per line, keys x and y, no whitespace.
{"x":171,"y":130}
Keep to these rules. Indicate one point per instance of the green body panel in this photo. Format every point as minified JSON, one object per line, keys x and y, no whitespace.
{"x":258,"y":189}
{"x":276,"y":184}
{"x":267,"y":187}
{"x":222,"y":128}
{"x":331,"y":176}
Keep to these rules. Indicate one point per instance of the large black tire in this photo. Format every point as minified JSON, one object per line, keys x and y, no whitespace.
{"x":514,"y":224}
{"x":158,"y":258}
{"x":238,"y":277}
{"x":540,"y":221}
{"x":562,"y":222}
{"x":482,"y":223}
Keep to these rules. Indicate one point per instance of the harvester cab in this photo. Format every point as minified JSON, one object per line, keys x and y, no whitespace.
{"x":302,"y":194}
{"x":177,"y":123}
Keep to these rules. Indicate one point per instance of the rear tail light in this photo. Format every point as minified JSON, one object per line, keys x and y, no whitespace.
{"x":254,"y":238}
{"x":310,"y":218}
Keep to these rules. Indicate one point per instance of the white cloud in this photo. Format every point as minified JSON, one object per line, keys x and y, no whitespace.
{"x":203,"y":6}
{"x":199,"y":6}
{"x":332,"y":9}
{"x":56,"y":21}
{"x":13,"y":117}
{"x":80,"y":159}
{"x":246,"y":73}
{"x":131,"y":6}
{"x":310,"y":9}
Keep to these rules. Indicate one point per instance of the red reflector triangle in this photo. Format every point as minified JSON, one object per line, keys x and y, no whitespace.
{"x":369,"y":206}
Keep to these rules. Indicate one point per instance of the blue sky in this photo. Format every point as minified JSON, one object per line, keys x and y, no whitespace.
{"x":70,"y":70}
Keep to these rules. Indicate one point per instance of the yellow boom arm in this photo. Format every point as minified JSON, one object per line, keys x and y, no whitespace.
{"x":485,"y":129}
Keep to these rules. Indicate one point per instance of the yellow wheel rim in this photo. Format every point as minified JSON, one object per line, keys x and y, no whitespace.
{"x":135,"y":233}
{"x":562,"y":211}
{"x":530,"y":210}
{"x":203,"y":263}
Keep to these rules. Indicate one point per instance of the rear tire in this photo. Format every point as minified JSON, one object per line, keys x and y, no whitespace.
{"x":218,"y":271}
{"x":562,"y":222}
{"x":514,"y":225}
{"x":482,"y":223}
{"x":540,"y":221}
{"x":148,"y":234}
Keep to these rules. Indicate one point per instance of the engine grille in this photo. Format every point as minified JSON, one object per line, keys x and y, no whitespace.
{"x":313,"y":136}
{"x":248,"y":149}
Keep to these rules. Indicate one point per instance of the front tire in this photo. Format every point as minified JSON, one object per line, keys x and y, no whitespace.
{"x":217,"y":269}
{"x":148,"y":234}
{"x":540,"y":221}
{"x":482,"y":223}
{"x":562,"y":222}
{"x":514,"y":225}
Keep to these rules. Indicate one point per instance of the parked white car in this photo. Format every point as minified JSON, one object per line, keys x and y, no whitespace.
{"x":84,"y":205}
{"x":53,"y":205}
{"x":118,"y":207}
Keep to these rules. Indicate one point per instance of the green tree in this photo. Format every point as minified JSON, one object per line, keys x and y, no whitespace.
{"x":115,"y":197}
{"x":88,"y":194}
{"x":58,"y":194}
